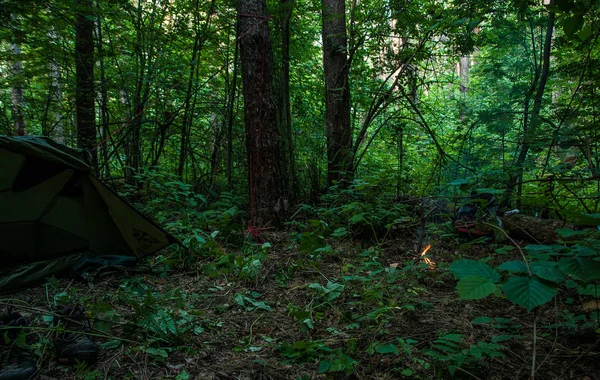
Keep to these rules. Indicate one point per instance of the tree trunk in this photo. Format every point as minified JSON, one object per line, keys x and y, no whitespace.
{"x":337,"y":93}
{"x":84,"y":72}
{"x":529,"y":128}
{"x":230,"y":114}
{"x":285,"y":115}
{"x":463,"y":72}
{"x":260,"y":114}
{"x":104,"y":113}
{"x":17,"y":99}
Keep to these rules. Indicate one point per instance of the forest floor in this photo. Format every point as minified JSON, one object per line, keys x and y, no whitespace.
{"x":352,"y":310}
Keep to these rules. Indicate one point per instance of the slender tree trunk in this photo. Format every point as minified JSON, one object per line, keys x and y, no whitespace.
{"x":190,"y":105}
{"x":104,"y":114}
{"x":285,"y":115}
{"x":337,"y":93}
{"x":16,"y":94}
{"x":530,"y":128}
{"x":84,"y":71}
{"x":260,"y":114}
{"x":463,"y":71}
{"x":230,"y":114}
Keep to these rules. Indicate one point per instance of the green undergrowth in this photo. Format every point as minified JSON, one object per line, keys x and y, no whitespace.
{"x":320,"y":301}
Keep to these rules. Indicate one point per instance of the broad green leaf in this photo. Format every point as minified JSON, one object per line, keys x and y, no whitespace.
{"x":585,"y":269}
{"x":547,"y":271}
{"x":239,"y":299}
{"x":473,"y":24}
{"x":584,"y":219}
{"x":324,"y":366}
{"x":545,"y":248}
{"x":529,"y":292}
{"x":516,"y":266}
{"x":466,"y":267}
{"x":387,"y":349}
{"x":564,"y":5}
{"x":567,"y":232}
{"x":573,"y":24}
{"x":475,"y":287}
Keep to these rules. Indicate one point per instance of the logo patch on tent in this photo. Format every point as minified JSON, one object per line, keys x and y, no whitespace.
{"x":144,"y":239}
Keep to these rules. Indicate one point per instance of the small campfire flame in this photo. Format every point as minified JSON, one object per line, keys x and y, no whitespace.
{"x":426,"y":259}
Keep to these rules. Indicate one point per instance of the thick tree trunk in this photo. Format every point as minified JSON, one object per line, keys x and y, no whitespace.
{"x":337,"y":93}
{"x":260,"y":114}
{"x":84,"y":71}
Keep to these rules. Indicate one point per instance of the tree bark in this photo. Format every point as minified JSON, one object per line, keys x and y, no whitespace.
{"x":337,"y":93}
{"x":103,"y":97}
{"x":230,"y":113}
{"x":285,"y":115}
{"x":16,"y":94}
{"x":84,"y":72}
{"x":260,"y":114}
{"x":463,"y":72}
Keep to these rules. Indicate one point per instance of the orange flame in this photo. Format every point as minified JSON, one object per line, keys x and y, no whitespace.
{"x":427,"y":260}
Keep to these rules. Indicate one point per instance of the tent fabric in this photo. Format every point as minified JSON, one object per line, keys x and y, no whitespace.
{"x":54,"y":212}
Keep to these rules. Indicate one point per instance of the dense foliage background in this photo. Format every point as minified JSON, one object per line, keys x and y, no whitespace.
{"x":360,"y":136}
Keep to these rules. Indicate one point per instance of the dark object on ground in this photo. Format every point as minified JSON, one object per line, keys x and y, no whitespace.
{"x":17,"y":363}
{"x":530,"y":228}
{"x":54,"y":212}
{"x":20,"y":365}
{"x":478,"y":208}
{"x":74,"y":345}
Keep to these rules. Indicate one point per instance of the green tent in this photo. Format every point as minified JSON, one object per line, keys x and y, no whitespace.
{"x":54,"y":213}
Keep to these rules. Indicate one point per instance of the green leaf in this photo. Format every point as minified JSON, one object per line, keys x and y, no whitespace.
{"x":339,"y":232}
{"x":358,"y":218}
{"x":590,"y":290}
{"x":387,"y":349}
{"x":529,"y":292}
{"x":547,"y":271}
{"x":473,"y":24}
{"x":504,"y":250}
{"x":567,"y":232}
{"x":239,"y":299}
{"x":573,"y":24}
{"x":585,"y":269}
{"x":324,"y":366}
{"x":466,"y":267}
{"x":475,"y":287}
{"x":564,"y":5}
{"x":585,"y":33}
{"x":481,"y":320}
{"x":157,"y":352}
{"x":516,"y":266}
{"x":584,"y":219}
